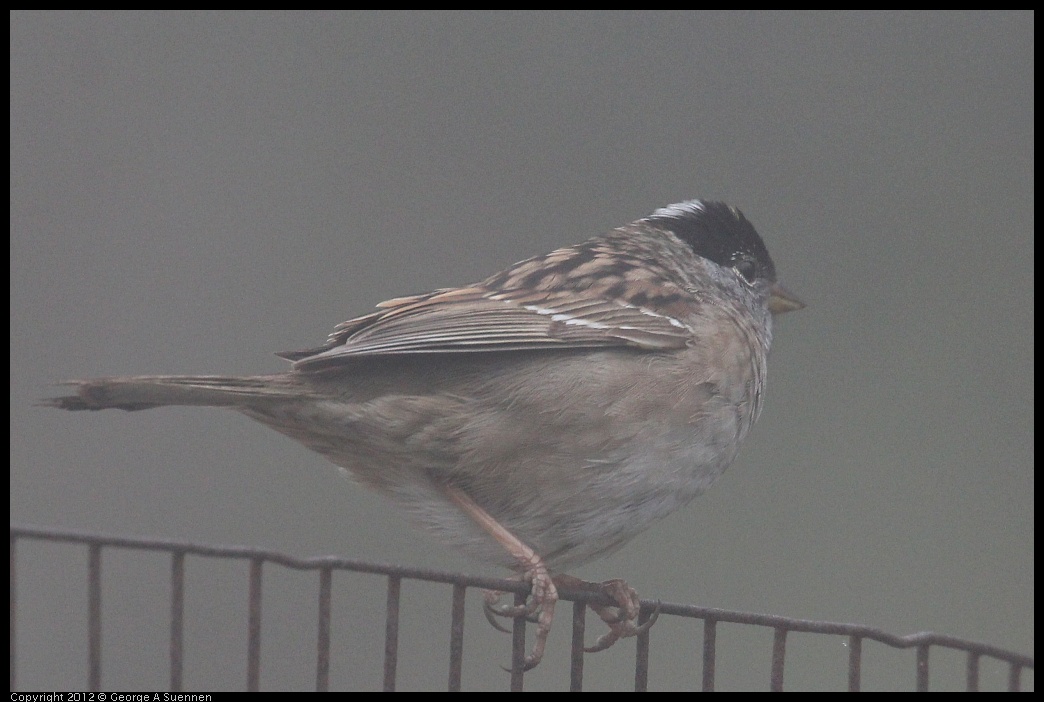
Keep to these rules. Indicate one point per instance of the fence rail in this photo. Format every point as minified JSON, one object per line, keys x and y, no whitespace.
{"x":95,"y":544}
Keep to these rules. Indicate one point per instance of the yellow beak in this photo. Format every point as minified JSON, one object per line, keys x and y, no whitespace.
{"x":782,"y":300}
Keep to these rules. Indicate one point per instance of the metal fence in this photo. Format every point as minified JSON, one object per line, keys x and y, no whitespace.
{"x":96,"y":545}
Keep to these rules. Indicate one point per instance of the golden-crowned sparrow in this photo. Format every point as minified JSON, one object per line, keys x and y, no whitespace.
{"x":542,"y":417}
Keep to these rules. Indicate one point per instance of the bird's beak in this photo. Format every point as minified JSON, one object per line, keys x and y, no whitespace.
{"x":782,"y":300}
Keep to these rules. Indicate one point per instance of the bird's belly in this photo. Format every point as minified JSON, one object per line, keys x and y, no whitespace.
{"x":603,"y":504}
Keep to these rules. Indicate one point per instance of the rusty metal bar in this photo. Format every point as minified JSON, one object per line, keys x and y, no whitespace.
{"x":922,"y":668}
{"x":322,"y":658}
{"x":710,"y":638}
{"x":518,"y":646}
{"x":254,"y":627}
{"x":391,"y":632}
{"x":14,"y":607}
{"x":972,"y":673}
{"x":779,"y":653}
{"x":94,"y":626}
{"x":576,"y":649}
{"x":1015,"y":677}
{"x":855,"y":663}
{"x":456,"y":638}
{"x":177,"y":619}
{"x":641,"y":655}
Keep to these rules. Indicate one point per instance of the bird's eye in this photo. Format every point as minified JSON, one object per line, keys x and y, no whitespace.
{"x":746,"y":268}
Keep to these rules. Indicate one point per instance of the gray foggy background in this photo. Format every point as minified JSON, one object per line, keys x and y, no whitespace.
{"x":191,"y":192}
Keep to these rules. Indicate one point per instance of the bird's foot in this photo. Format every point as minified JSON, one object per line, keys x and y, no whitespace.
{"x":620,"y":617}
{"x":539,"y":608}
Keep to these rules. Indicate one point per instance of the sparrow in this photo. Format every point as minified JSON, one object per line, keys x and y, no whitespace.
{"x":543,"y":417}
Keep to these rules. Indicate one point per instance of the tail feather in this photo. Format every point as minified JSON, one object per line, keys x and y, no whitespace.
{"x":146,"y":391}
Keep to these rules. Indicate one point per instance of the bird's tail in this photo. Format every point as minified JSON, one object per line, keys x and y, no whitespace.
{"x":146,"y":391}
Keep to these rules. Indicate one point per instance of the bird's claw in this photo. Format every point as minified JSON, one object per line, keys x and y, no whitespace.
{"x":492,"y":608}
{"x":619,"y":617}
{"x":620,"y":628}
{"x":539,"y":609}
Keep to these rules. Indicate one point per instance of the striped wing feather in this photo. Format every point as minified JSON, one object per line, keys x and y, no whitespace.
{"x":477,"y":319}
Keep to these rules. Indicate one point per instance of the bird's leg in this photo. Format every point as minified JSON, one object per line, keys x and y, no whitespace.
{"x":619,"y":617}
{"x":542,"y":590}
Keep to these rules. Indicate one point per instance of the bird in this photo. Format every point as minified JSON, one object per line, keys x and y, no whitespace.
{"x":543,"y":417}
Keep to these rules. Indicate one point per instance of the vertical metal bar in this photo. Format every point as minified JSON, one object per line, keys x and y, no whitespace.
{"x":641,"y":656}
{"x":922,"y":668}
{"x":710,"y":642}
{"x":1015,"y":678}
{"x":14,"y":610}
{"x":254,"y":627}
{"x":94,"y":630}
{"x":391,"y":632}
{"x":855,"y":663}
{"x":177,"y":619}
{"x":518,"y":647}
{"x":322,"y":657}
{"x":973,"y":673}
{"x":779,"y":654}
{"x":456,"y":637}
{"x":576,"y":649}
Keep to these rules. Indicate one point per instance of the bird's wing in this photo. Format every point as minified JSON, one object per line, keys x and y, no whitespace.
{"x":480,"y":319}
